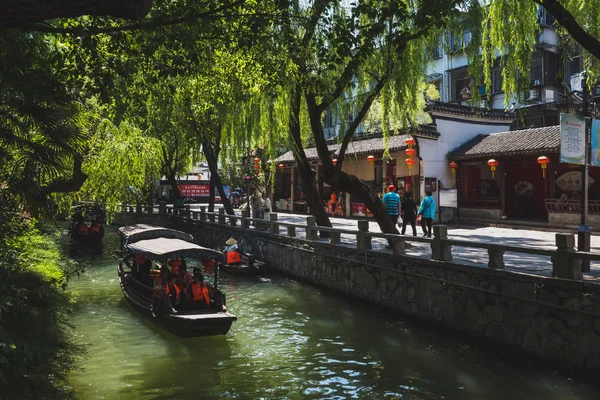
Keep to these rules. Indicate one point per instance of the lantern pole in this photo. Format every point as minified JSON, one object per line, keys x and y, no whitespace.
{"x":584,"y":232}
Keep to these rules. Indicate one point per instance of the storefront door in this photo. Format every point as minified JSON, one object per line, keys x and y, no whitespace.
{"x":524,"y":190}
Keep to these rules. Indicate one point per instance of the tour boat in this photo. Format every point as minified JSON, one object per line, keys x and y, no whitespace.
{"x":87,"y":222}
{"x":161,"y":246}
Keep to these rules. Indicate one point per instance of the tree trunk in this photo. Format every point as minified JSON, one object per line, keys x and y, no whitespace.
{"x":343,"y":181}
{"x":21,"y":14}
{"x":212,"y":155}
{"x":211,"y":194}
{"x":172,"y":179}
{"x":307,"y":175}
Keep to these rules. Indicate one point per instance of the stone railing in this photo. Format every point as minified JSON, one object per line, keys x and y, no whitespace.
{"x":566,"y":261}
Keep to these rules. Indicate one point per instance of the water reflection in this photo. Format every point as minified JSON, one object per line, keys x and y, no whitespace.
{"x":290,"y":341}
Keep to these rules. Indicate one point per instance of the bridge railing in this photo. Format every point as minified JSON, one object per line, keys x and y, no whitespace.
{"x":566,"y":261}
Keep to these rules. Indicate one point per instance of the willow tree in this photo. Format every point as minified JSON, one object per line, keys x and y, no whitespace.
{"x":345,"y":56}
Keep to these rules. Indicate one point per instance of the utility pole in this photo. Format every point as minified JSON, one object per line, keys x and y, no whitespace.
{"x":584,"y":232}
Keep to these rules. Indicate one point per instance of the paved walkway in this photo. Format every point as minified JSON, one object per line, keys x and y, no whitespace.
{"x":533,"y":264}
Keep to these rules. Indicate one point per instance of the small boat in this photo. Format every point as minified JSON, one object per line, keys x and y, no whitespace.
{"x":248,"y":266}
{"x":162,"y":245}
{"x":87,"y":222}
{"x":236,"y":262}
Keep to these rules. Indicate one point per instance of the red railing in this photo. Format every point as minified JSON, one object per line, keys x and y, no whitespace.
{"x":571,"y":206}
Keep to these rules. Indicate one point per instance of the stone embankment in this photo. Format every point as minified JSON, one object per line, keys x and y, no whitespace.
{"x":554,"y":318}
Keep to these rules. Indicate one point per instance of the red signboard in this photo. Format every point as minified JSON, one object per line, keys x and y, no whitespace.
{"x":194,"y":190}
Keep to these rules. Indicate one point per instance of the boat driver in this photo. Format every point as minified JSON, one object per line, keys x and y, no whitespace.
{"x":232,"y":252}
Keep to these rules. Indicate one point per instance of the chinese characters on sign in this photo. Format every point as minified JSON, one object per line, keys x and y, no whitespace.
{"x":194,"y":190}
{"x":572,"y":139}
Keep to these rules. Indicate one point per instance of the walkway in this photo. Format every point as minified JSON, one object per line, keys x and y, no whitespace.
{"x":533,"y":264}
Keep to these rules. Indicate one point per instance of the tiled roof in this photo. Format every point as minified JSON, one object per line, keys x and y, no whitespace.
{"x":359,"y":147}
{"x":512,"y":143}
{"x":466,"y":111}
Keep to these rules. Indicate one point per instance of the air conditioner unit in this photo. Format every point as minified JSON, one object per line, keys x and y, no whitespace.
{"x":534,"y":94}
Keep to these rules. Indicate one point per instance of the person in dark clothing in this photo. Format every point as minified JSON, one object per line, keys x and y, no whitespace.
{"x":408,"y":208}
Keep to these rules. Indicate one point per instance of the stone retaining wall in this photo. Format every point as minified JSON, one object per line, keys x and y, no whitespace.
{"x":571,"y":219}
{"x":552,"y":318}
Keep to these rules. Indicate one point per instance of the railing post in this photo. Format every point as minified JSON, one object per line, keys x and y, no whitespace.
{"x":245,"y":216}
{"x":291,"y":231}
{"x":311,"y":228}
{"x":221,"y":216}
{"x":188,"y":211}
{"x":440,"y":250}
{"x":336,"y":237}
{"x":496,"y":257}
{"x":232,"y":220}
{"x":274,"y":227}
{"x":195,"y":214}
{"x":564,"y":263}
{"x":398,"y":246}
{"x":130,"y":209}
{"x":138,"y":208}
{"x":363,"y":242}
{"x":202,"y":213}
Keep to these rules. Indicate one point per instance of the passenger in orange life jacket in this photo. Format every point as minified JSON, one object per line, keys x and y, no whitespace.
{"x":175,"y":264}
{"x":173,"y":291}
{"x":184,"y":280}
{"x":159,"y":282}
{"x":232,"y":252}
{"x":95,"y":228}
{"x":199,"y":290}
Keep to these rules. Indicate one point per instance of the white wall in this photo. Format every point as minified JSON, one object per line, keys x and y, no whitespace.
{"x":452,"y":135}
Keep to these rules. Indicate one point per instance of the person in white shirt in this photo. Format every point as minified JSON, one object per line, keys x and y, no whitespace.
{"x":266,"y":206}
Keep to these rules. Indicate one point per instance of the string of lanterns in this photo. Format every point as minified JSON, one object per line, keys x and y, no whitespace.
{"x":410,"y":152}
{"x":256,"y":165}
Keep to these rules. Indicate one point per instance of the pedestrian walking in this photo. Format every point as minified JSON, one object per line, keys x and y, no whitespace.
{"x":391,"y":200}
{"x":408,"y":210}
{"x":427,"y":213}
{"x":266,"y":206}
{"x":255,"y":204}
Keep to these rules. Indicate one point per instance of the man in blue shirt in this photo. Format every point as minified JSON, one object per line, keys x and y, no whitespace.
{"x":427,"y":213}
{"x":392,"y":203}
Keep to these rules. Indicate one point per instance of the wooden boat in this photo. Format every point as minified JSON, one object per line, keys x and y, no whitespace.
{"x":87,"y":223}
{"x":248,"y":266}
{"x":161,"y":245}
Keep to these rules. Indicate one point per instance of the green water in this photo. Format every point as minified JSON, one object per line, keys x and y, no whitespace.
{"x":291,"y":340}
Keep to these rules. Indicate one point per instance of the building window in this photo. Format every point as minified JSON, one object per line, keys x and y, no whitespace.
{"x":461,"y":84}
{"x":536,"y":74}
{"x":573,"y":64}
{"x":458,"y":42}
{"x":544,"y":17}
{"x":497,"y":78}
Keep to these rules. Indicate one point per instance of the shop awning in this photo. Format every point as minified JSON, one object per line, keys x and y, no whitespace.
{"x":534,"y":141}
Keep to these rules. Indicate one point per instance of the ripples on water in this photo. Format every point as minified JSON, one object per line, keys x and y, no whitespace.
{"x":291,"y":340}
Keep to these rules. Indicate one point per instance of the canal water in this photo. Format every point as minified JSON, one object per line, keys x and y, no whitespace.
{"x":291,"y":340}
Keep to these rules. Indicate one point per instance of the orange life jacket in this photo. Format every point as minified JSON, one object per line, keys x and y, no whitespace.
{"x":175,"y":287}
{"x":95,"y":228}
{"x":200,"y":291}
{"x":157,"y":282}
{"x":140,"y":259}
{"x":83,"y":229}
{"x":233,"y":257}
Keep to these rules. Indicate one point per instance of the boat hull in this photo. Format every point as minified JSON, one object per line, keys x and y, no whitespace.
{"x":182,"y":324}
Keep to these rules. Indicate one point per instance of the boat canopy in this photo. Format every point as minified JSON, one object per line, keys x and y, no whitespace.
{"x":171,"y":248}
{"x":135,"y":233}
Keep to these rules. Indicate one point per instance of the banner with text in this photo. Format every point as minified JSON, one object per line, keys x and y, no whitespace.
{"x":572,"y":139}
{"x":595,"y":158}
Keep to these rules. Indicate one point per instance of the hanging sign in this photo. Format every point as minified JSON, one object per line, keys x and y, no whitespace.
{"x":595,"y":157}
{"x":572,"y":139}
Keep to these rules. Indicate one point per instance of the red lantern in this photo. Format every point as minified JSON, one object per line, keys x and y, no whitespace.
{"x":411,"y":152}
{"x":453,"y":166}
{"x":543,"y":161}
{"x":493,"y":164}
{"x":256,"y":160}
{"x":256,"y":167}
{"x":334,"y":162}
{"x":371,"y":159}
{"x":410,"y":142}
{"x":410,"y":162}
{"x":282,"y":166}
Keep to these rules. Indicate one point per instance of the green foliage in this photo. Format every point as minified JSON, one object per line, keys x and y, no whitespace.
{"x":37,"y":349}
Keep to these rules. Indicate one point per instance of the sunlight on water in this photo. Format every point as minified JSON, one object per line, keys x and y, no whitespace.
{"x":291,"y":340}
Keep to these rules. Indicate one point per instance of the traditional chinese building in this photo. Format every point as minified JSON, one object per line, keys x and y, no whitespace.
{"x":520,"y":188}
